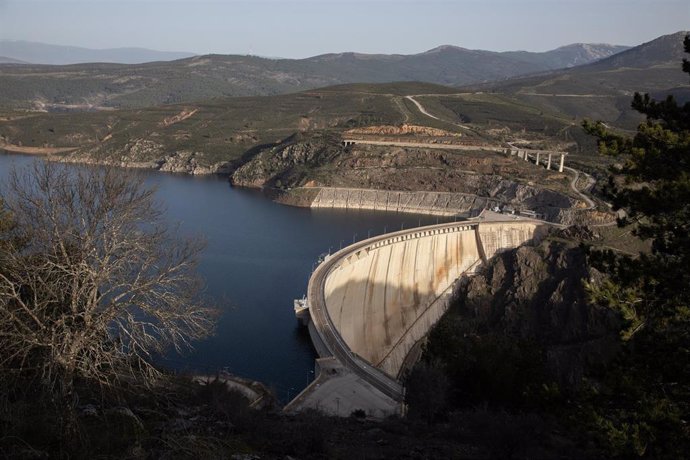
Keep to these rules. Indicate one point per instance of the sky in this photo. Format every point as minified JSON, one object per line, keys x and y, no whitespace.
{"x":297,"y":29}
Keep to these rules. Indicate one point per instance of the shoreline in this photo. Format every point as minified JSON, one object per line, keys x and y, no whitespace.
{"x":446,"y":204}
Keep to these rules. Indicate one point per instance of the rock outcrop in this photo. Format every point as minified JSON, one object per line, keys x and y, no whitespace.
{"x":286,"y":163}
{"x":538,"y":293}
{"x":189,"y":163}
{"x":148,"y":154}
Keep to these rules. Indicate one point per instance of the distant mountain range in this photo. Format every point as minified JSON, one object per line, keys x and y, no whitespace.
{"x":6,"y":60}
{"x":202,"y":77}
{"x":19,"y":51}
{"x":549,"y":106}
{"x":569,"y":55}
{"x":43,"y":53}
{"x":453,"y":65}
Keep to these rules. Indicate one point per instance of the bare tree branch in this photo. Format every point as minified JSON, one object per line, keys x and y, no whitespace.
{"x":92,"y":283}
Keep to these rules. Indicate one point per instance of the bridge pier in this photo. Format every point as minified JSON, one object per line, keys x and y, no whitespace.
{"x":548,"y":164}
{"x":560,"y":168}
{"x":537,"y":161}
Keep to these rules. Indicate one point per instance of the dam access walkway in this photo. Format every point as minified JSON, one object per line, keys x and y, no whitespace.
{"x":370,"y":304}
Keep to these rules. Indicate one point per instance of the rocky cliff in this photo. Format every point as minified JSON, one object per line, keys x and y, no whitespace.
{"x":149,"y":154}
{"x":289,"y":163}
{"x":538,"y":294}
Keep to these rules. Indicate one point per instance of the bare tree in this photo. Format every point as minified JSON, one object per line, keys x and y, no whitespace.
{"x":93,"y":283}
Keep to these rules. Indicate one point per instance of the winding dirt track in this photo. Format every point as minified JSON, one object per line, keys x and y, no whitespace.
{"x":421,"y":108}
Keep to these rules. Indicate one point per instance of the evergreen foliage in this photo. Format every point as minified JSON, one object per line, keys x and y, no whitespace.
{"x":646,"y":409}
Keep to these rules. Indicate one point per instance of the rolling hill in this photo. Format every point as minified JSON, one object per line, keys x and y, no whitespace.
{"x":92,"y":86}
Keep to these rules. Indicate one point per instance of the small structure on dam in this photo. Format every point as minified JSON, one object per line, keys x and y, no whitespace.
{"x":369,"y":304}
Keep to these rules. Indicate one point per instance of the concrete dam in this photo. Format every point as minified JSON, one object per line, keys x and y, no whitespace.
{"x":369,"y":304}
{"x":434,"y":203}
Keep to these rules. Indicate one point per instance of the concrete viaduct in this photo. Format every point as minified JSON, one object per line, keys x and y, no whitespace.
{"x":538,"y":155}
{"x":370,"y":304}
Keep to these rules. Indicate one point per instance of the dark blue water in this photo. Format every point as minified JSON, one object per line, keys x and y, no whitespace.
{"x":258,"y":258}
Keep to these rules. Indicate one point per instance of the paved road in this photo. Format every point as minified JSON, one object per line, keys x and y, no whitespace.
{"x":573,"y":186}
{"x":427,"y":145}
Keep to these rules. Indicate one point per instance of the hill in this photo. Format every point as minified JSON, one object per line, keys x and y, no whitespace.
{"x":90,"y":86}
{"x":43,"y":53}
{"x":570,"y":55}
{"x":603,"y":89}
{"x":543,"y":111}
{"x":289,"y":140}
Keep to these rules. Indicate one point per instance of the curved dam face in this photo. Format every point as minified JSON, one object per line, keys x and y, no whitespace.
{"x":386,"y":298}
{"x":370,"y":303}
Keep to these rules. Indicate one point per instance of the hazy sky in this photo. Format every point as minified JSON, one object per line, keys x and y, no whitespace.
{"x":290,"y":28}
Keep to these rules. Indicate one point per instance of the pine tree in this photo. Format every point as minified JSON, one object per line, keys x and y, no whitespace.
{"x":651,"y":291}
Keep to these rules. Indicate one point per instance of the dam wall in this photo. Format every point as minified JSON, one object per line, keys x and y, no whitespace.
{"x":384,"y":298}
{"x":370,"y":303}
{"x":387,"y":298}
{"x":435,"y":203}
{"x":493,"y":238}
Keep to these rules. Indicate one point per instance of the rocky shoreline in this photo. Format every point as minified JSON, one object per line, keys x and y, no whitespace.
{"x":494,"y":191}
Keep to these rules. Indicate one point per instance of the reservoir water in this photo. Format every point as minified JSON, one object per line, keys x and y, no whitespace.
{"x":258,"y":258}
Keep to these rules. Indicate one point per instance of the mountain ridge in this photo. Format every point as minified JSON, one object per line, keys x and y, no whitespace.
{"x":7,"y":60}
{"x":205,"y":77}
{"x":50,"y":54}
{"x":36,"y":52}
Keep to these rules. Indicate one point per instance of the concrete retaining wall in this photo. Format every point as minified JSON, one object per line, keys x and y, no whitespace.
{"x":436,"y":203}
